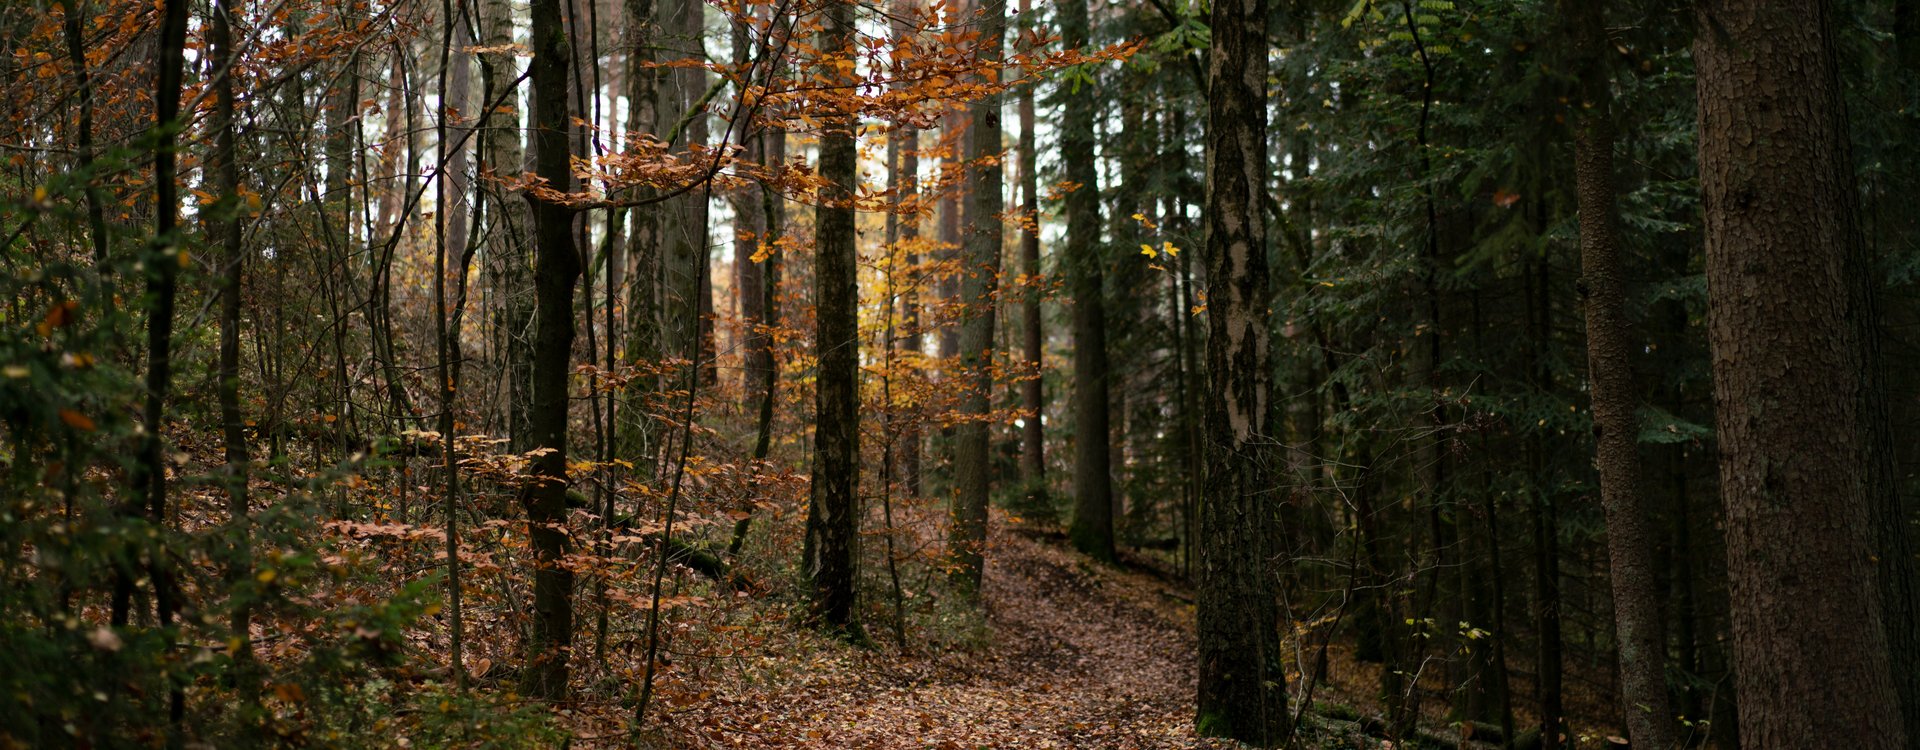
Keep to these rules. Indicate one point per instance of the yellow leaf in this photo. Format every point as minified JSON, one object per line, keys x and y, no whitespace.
{"x":1148,"y":251}
{"x":266,"y":576}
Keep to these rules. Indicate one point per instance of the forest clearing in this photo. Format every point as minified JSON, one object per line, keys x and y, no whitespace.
{"x":955,"y":374}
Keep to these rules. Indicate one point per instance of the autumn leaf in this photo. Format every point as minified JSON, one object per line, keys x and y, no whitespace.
{"x":76,"y":420}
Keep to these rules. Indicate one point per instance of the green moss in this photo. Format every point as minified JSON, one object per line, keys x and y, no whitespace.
{"x":1210,"y":725}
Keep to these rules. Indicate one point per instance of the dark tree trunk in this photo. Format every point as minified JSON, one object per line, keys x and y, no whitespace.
{"x":1892,"y":397}
{"x":225,"y":227}
{"x":833,"y":524}
{"x":1545,"y":515}
{"x":1242,"y":691}
{"x":1640,"y":630}
{"x":753,"y":262}
{"x":914,"y":338}
{"x":149,"y":475}
{"x":556,"y":271}
{"x":979,"y":278}
{"x":1092,"y":530}
{"x":1780,"y":216}
{"x":1033,"y":461}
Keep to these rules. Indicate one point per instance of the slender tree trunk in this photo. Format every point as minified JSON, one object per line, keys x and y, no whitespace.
{"x":510,"y":262}
{"x":833,"y":525}
{"x":556,"y":271}
{"x":911,"y":437}
{"x":1243,"y":693}
{"x":226,"y":228}
{"x":685,"y":306}
{"x":449,"y":234}
{"x":979,"y":279}
{"x":1639,"y":625}
{"x":1549,"y":656}
{"x":1033,"y":461}
{"x":150,"y":473}
{"x":752,"y":259}
{"x":1889,"y":397}
{"x":83,"y":145}
{"x":1092,"y":529}
{"x":639,"y":433}
{"x":1781,"y":235}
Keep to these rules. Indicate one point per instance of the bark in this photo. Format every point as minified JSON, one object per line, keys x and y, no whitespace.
{"x":83,"y":135}
{"x":459,"y":110}
{"x":556,"y":271}
{"x":1779,"y":202}
{"x":685,"y":306}
{"x":224,"y":224}
{"x":979,"y":282}
{"x":833,"y":522}
{"x":1092,"y":529}
{"x":1892,"y":396}
{"x":1639,"y":627}
{"x":1548,"y":656}
{"x":639,"y":433}
{"x":752,"y":236}
{"x":510,"y":258}
{"x":451,"y":232}
{"x":910,"y":313}
{"x":149,"y":474}
{"x":1033,"y":462}
{"x":1242,"y":687}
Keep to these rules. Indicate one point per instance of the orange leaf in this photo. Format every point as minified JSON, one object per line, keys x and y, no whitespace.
{"x":76,"y":420}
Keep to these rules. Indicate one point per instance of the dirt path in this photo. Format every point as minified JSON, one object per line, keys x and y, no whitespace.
{"x":1079,"y":656}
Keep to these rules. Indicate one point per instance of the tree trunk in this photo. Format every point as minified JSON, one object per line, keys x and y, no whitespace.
{"x":639,"y":433}
{"x":224,"y":225}
{"x":913,"y":341}
{"x":149,"y":475}
{"x":979,"y":279}
{"x":1242,"y":692}
{"x":556,"y":270}
{"x":683,"y":219}
{"x":1033,"y":461}
{"x":1092,"y":529}
{"x":833,"y":525}
{"x":503,"y":159}
{"x":1779,"y":203}
{"x":1640,"y":630}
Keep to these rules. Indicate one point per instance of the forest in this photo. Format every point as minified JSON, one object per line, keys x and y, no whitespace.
{"x":942,"y":374}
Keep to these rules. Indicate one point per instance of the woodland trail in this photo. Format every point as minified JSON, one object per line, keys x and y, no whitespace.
{"x":1077,"y":655}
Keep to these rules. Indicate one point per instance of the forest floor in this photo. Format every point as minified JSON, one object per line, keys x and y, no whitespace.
{"x":1070,"y":654}
{"x":1074,"y":655}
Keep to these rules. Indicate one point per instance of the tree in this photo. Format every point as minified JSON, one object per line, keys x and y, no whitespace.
{"x":1780,"y":211}
{"x":979,"y":280}
{"x":1092,"y":530}
{"x":1242,"y":692}
{"x":509,"y":257}
{"x":833,"y":524}
{"x":1033,"y":460}
{"x":1639,"y":625}
{"x":227,"y":229}
{"x":556,"y":271}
